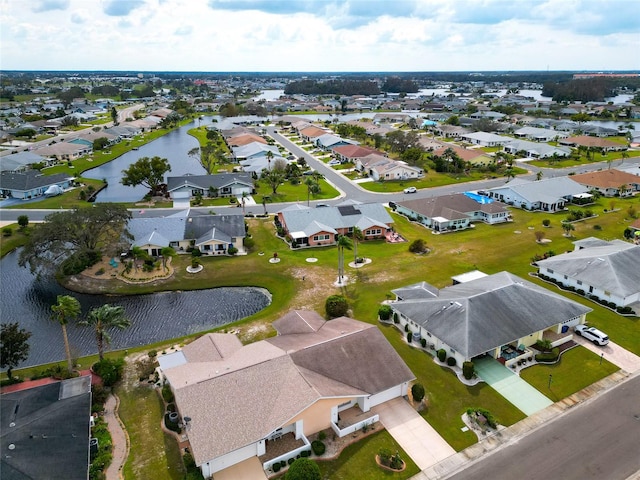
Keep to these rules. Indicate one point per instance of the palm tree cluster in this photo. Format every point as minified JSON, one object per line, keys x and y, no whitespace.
{"x":102,"y":319}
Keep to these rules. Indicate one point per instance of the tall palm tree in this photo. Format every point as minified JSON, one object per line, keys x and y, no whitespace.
{"x":357,"y":236}
{"x":343,"y":242}
{"x":167,"y":252}
{"x":67,"y":308}
{"x":102,"y":318}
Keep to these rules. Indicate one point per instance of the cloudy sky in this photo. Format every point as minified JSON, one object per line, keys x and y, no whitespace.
{"x":319,"y":35}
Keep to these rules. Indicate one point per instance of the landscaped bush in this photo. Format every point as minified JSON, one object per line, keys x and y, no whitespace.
{"x":80,"y":262}
{"x":7,"y":232}
{"x":417,"y":392}
{"x":167,"y":393}
{"x":490,"y":419}
{"x":384,"y":312}
{"x":418,"y":246}
{"x":409,"y":337}
{"x":291,"y":460}
{"x":304,"y":469}
{"x":624,"y":310}
{"x":451,"y":361}
{"x":173,"y":426}
{"x":395,"y":318}
{"x":468,"y":369}
{"x":336,"y":306}
{"x":423,"y":342}
{"x":318,"y":447}
{"x":232,"y":250}
{"x":110,"y":370}
{"x":543,"y":345}
{"x":406,"y":327}
{"x":442,"y":354}
{"x":305,"y":453}
{"x":548,"y":357}
{"x":276,"y":467}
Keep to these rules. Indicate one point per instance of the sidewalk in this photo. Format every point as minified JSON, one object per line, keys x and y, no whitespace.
{"x":119,"y":438}
{"x":612,"y":352}
{"x":512,"y":434}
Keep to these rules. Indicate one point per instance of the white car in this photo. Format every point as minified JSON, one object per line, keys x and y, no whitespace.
{"x":334,"y":162}
{"x":410,"y":190}
{"x":593,"y":334}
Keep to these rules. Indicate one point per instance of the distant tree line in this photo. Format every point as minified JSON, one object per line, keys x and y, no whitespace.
{"x":333,"y":87}
{"x":399,"y":85}
{"x":588,"y":89}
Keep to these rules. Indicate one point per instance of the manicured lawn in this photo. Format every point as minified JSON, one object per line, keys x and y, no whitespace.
{"x":17,"y":238}
{"x":358,"y":460}
{"x":615,"y":157}
{"x":68,"y":199}
{"x":577,"y":369}
{"x":154,"y":455}
{"x":448,"y":398}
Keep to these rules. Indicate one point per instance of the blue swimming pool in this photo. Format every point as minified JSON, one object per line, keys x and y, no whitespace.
{"x":478,"y":198}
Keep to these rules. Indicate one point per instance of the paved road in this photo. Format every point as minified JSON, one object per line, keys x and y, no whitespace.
{"x":595,"y":441}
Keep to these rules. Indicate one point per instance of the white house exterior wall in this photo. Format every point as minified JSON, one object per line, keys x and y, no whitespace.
{"x":592,"y":290}
{"x":225,"y":461}
{"x":390,"y":394}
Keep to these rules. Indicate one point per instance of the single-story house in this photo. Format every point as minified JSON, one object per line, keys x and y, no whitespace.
{"x":65,"y":151}
{"x":244,"y":139}
{"x":535,"y":149}
{"x":607,"y":270}
{"x":241,"y":402}
{"x":598,"y":131}
{"x":350,"y":153}
{"x":547,"y":195}
{"x":222,"y":184}
{"x":16,"y":162}
{"x":311,"y":132}
{"x":329,"y":141}
{"x":253,"y":150}
{"x":448,"y":213}
{"x":211,"y":234}
{"x":539,"y":134}
{"x":471,"y":155}
{"x":381,"y":168}
{"x":592,"y":142}
{"x":451,"y":131}
{"x":493,"y":315}
{"x":610,"y":183}
{"x":31,"y":183}
{"x":46,"y":431}
{"x":316,"y":227}
{"x":485,"y":139}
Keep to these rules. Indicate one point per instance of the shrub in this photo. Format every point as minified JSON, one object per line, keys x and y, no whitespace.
{"x":409,"y":337}
{"x":442,"y":354}
{"x":322,"y":435}
{"x":249,"y":242}
{"x":304,"y":469}
{"x":80,"y":262}
{"x":418,"y":246}
{"x":153,"y":353}
{"x":196,"y":253}
{"x":384,"y":312}
{"x":423,"y":342}
{"x":395,"y":317}
{"x":305,"y":453}
{"x":548,"y":357}
{"x":468,"y":369}
{"x":451,"y":361}
{"x":406,"y":327}
{"x":336,"y":306}
{"x":417,"y":392}
{"x":23,"y":221}
{"x":276,"y":467}
{"x":232,"y":250}
{"x":291,"y":460}
{"x":546,"y":222}
{"x":384,"y":454}
{"x":318,"y":447}
{"x":167,"y":393}
{"x":544,"y":345}
{"x":110,"y":370}
{"x":7,"y":232}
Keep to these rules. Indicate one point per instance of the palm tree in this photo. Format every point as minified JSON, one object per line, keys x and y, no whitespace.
{"x":624,"y":155}
{"x":357,"y":237}
{"x":67,"y":308}
{"x":343,"y":242}
{"x":167,"y":252}
{"x":269,"y":156}
{"x":102,"y":318}
{"x":567,"y":227}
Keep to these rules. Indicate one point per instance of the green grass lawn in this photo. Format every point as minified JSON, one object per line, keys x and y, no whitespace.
{"x":18,"y":237}
{"x":577,"y":369}
{"x":615,"y":157}
{"x":153,"y":454}
{"x":358,"y":460}
{"x":68,"y":199}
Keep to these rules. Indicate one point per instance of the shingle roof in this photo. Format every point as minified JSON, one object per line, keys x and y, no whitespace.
{"x":332,"y":217}
{"x":236,"y":396}
{"x":614,"y":267}
{"x":547,"y":190}
{"x":205,"y":181}
{"x":24,"y":181}
{"x":477,"y":316}
{"x":454,"y":206}
{"x":606,"y":179}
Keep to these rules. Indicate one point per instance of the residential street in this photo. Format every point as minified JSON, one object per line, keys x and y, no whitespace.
{"x":596,"y":440}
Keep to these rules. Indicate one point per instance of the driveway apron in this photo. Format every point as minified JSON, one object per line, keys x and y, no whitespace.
{"x":511,"y":386}
{"x":416,"y":437}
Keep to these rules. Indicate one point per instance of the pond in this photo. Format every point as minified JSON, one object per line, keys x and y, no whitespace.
{"x":154,"y":317}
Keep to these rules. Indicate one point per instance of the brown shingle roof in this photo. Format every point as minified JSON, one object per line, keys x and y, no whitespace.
{"x":451,"y":207}
{"x":465,"y":154}
{"x":606,"y":178}
{"x":355,"y":151}
{"x":588,"y":141}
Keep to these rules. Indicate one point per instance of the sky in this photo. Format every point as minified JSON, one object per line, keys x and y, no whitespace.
{"x":320,"y":35}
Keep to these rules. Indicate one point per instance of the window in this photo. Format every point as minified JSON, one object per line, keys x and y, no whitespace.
{"x":565,"y":277}
{"x":579,"y":281}
{"x":320,"y":238}
{"x":549,"y":270}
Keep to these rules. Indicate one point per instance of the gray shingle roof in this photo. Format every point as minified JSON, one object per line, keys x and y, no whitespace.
{"x":548,"y":190}
{"x":614,"y":267}
{"x":30,"y":179}
{"x":219,"y":180}
{"x":477,"y":316}
{"x":455,"y":206}
{"x":366,"y":214}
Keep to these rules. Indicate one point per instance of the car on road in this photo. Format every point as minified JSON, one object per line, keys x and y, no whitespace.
{"x":593,"y":334}
{"x":410,"y":190}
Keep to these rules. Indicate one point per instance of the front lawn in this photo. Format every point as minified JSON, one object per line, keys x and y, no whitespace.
{"x":578,"y":368}
{"x":358,"y":460}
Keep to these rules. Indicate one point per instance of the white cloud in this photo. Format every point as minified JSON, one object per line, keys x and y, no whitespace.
{"x":317,"y":35}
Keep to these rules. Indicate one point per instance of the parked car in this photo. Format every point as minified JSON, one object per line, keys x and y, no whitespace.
{"x":334,"y":162}
{"x":410,"y":190}
{"x":593,"y":334}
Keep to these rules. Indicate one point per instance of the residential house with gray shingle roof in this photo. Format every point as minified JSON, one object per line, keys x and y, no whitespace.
{"x":30,"y":184}
{"x":222,"y":184}
{"x":21,"y":161}
{"x":183,"y":231}
{"x":240,"y":401}
{"x":315,"y":227}
{"x":489,"y":315}
{"x":449,"y":213}
{"x":548,"y":195}
{"x":607,"y":270}
{"x":535,"y":149}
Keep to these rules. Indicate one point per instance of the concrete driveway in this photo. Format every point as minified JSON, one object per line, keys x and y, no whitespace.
{"x":421,"y":442}
{"x":613,"y":352}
